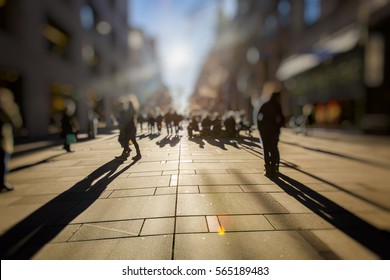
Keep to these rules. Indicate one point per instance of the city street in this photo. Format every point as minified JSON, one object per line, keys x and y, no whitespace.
{"x":201,"y":199}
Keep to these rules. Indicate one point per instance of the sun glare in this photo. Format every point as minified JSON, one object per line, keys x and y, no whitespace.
{"x":179,"y":57}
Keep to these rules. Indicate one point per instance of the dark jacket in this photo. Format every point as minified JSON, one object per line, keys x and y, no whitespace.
{"x":270,"y":118}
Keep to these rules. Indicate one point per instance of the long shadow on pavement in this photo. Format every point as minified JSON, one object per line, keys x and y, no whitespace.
{"x":28,"y":236}
{"x":345,"y":156}
{"x":378,"y":241}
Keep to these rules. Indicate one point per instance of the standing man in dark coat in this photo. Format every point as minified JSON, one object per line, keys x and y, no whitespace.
{"x":269,"y":121}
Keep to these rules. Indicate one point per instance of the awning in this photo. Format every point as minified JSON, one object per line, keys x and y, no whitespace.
{"x":341,"y":41}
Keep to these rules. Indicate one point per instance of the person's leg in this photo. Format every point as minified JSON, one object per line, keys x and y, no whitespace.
{"x":267,"y":153}
{"x":5,"y":157}
{"x":275,"y":156}
{"x":123,"y":140}
{"x":133,"y":138}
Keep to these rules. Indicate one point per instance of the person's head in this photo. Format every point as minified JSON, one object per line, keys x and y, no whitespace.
{"x":70,"y":107}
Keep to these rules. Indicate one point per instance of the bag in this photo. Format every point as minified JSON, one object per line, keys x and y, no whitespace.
{"x":70,"y":138}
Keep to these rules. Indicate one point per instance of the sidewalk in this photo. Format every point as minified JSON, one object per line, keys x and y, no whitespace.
{"x":199,"y":199}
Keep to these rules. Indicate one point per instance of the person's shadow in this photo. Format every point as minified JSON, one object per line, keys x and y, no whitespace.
{"x":28,"y":236}
{"x":376,"y":240}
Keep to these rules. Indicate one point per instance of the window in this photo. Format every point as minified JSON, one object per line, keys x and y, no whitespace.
{"x":57,"y":39}
{"x":312,"y":11}
{"x":284,"y":9}
{"x":87,"y":17}
{"x":3,"y":14}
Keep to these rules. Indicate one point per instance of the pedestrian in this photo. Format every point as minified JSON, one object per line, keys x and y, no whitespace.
{"x":230,"y":125}
{"x":176,"y":119}
{"x":10,"y":119}
{"x":151,"y":122}
{"x":168,"y":122}
{"x":270,"y":119}
{"x":69,"y":125}
{"x":159,"y":121}
{"x":128,"y":131}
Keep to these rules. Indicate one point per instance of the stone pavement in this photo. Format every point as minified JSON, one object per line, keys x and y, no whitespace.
{"x":200,"y":199}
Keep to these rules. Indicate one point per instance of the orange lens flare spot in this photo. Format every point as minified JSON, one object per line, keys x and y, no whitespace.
{"x":221,"y":230}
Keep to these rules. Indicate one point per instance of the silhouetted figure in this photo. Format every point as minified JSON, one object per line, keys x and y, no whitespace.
{"x":206,"y":126}
{"x":230,"y":126}
{"x":269,"y":121}
{"x":128,"y":131}
{"x":69,"y":125}
{"x":217,"y":126}
{"x":176,"y":118}
{"x":141,"y":119}
{"x":159,"y":120}
{"x":193,"y":125}
{"x":168,"y":122}
{"x":151,"y":123}
{"x":10,"y":119}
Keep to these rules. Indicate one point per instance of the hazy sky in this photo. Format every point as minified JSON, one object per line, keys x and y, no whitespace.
{"x":184,"y":32}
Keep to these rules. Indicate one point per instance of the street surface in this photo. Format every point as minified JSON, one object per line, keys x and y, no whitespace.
{"x":200,"y":199}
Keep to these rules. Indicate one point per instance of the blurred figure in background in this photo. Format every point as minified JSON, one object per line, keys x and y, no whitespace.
{"x":128,"y":129}
{"x":176,"y":119}
{"x":10,"y":120}
{"x":69,"y":125}
{"x":168,"y":122}
{"x":230,"y":125}
{"x":159,"y":121}
{"x":269,"y":121}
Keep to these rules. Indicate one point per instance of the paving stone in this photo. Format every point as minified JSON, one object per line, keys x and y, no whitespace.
{"x":298,"y":221}
{"x":214,"y":179}
{"x":211,"y":171}
{"x":191,"y":224}
{"x":170,"y":172}
{"x":158,"y":226}
{"x":244,"y":223}
{"x":243,"y":171}
{"x":290,"y":203}
{"x":122,"y":209}
{"x":261,"y":188}
{"x":27,"y":215}
{"x":227,"y":203}
{"x":264,"y":245}
{"x":64,"y":233}
{"x":188,"y":189}
{"x":344,"y":246}
{"x":165,"y":190}
{"x":139,"y":182}
{"x":217,"y":189}
{"x":116,"y":229}
{"x":132,"y":192}
{"x":213,"y":224}
{"x":144,"y":174}
{"x":134,"y":248}
{"x":39,"y":199}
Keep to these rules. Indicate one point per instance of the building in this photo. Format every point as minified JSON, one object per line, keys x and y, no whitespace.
{"x":331,"y":56}
{"x":54,"y":50}
{"x":145,"y":73}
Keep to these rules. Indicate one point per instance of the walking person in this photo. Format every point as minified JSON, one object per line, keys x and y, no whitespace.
{"x":128,"y":131}
{"x":10,"y":120}
{"x":270,"y":119}
{"x":69,"y":125}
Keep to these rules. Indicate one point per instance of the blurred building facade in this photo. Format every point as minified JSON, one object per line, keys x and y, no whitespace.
{"x":54,"y":50}
{"x":145,"y":72}
{"x":331,"y":56}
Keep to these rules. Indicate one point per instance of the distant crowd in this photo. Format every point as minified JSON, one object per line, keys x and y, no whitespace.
{"x":197,"y":123}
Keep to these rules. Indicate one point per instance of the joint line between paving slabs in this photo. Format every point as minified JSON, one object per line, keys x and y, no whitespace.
{"x":176,"y":198}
